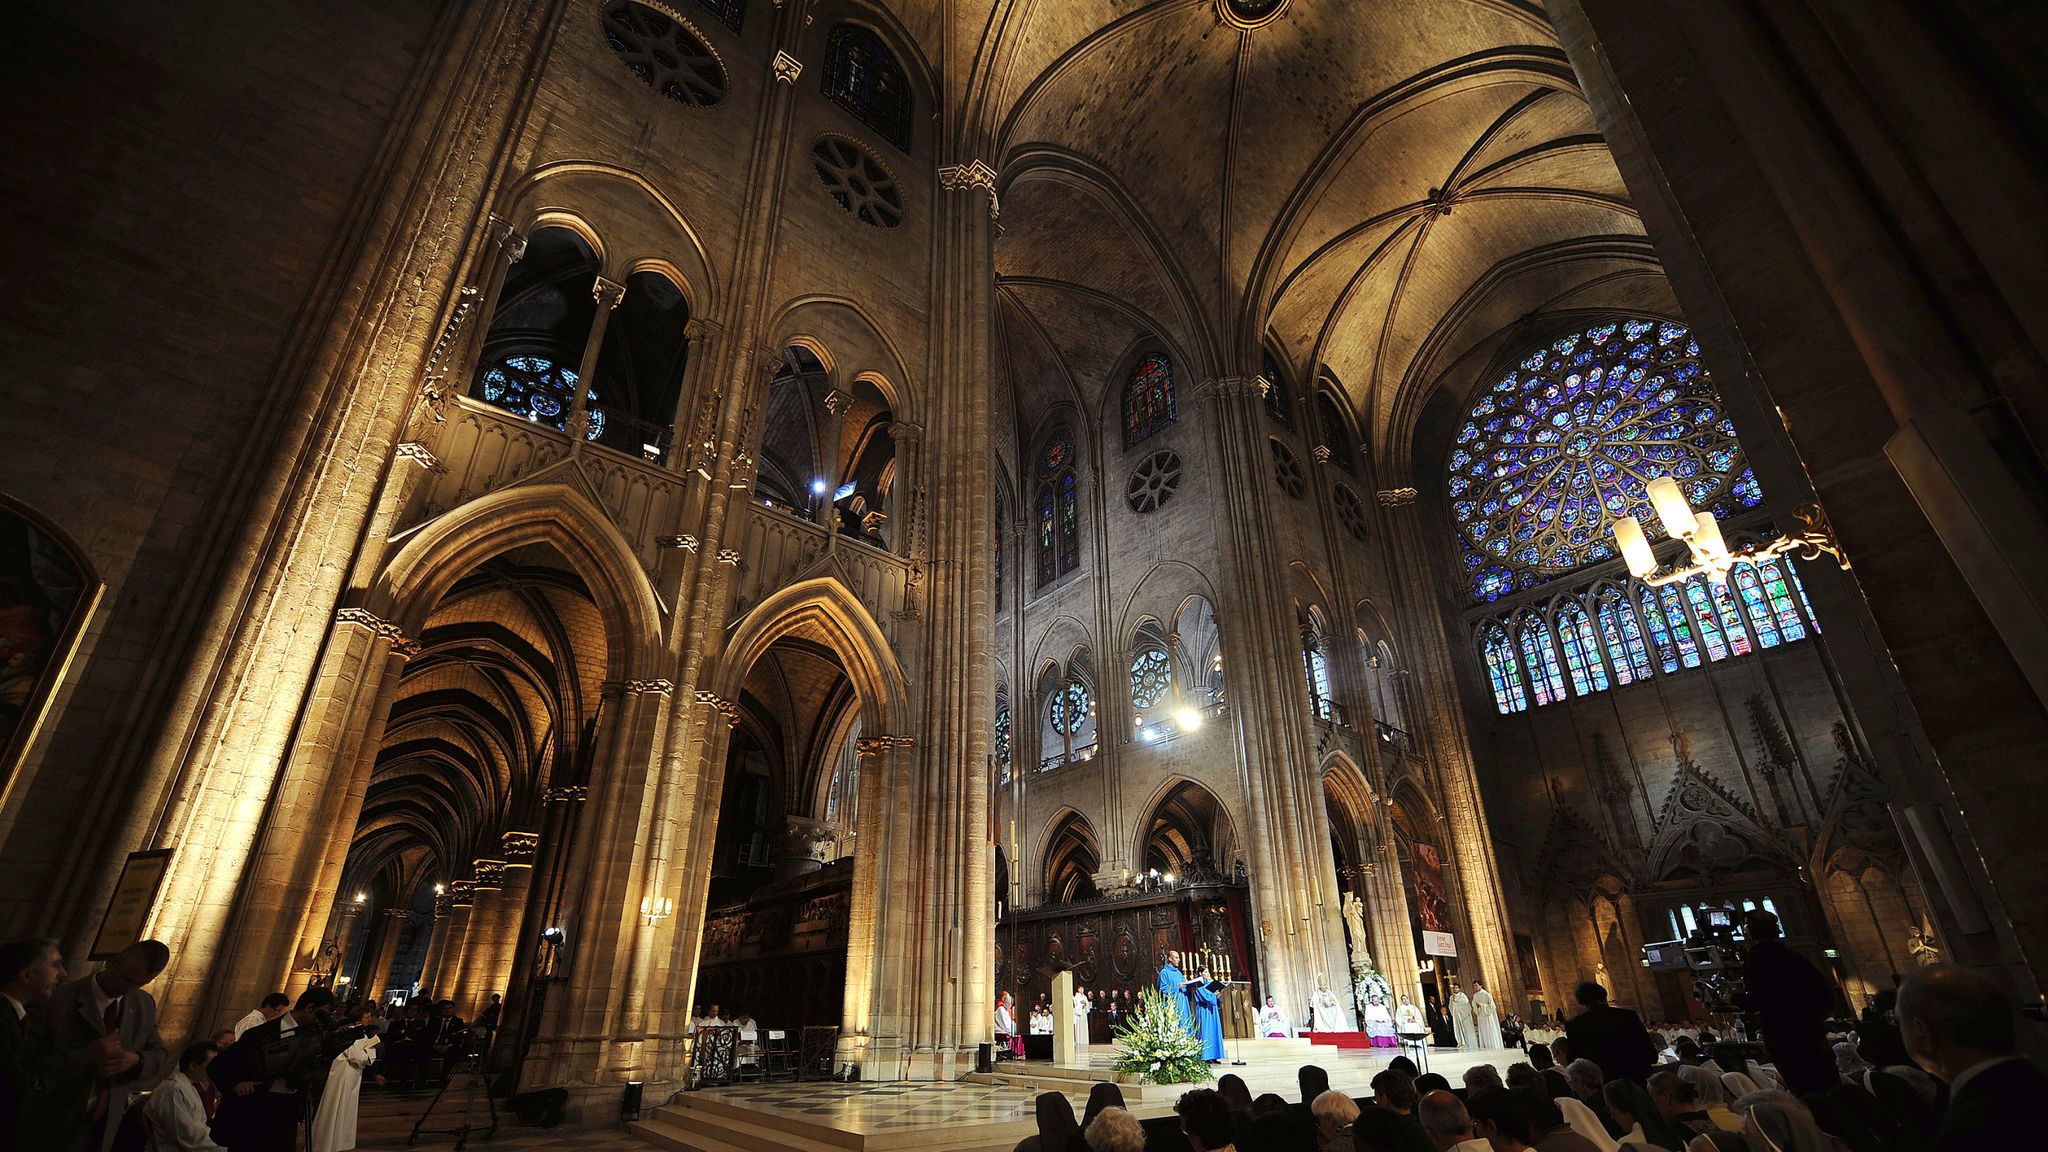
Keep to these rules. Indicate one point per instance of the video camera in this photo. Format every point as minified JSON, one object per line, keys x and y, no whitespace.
{"x":1716,"y":957}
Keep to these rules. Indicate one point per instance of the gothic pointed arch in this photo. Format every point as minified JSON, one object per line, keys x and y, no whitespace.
{"x":1072,"y":857}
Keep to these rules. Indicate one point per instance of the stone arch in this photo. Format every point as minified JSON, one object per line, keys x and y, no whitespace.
{"x":1069,"y":853}
{"x":1194,"y":818}
{"x":827,"y":611}
{"x":647,"y":228}
{"x":851,"y":344}
{"x":450,"y":546}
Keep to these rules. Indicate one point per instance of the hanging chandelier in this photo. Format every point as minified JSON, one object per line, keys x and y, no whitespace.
{"x":1702,"y":535}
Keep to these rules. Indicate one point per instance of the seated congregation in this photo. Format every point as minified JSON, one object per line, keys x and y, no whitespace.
{"x":1947,"y":1075}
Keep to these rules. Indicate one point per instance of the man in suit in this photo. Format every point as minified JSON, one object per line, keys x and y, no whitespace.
{"x":1791,"y":999}
{"x":29,"y":971}
{"x":1613,"y":1038}
{"x":1958,"y":1024}
{"x":105,"y":1025}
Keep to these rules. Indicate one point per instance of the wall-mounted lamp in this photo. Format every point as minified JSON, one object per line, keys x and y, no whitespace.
{"x":655,"y":909}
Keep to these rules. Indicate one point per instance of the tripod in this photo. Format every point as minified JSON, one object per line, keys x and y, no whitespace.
{"x":470,"y":1068}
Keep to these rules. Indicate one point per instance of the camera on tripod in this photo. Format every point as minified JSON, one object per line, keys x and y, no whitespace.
{"x":1715,"y":956}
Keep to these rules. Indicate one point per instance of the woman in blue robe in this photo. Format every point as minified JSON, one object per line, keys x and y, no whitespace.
{"x":1208,"y":1019}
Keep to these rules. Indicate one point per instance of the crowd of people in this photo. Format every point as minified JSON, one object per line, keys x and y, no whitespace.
{"x":1937,"y":1066}
{"x":84,"y":1067}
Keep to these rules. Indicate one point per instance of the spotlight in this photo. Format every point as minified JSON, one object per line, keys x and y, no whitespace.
{"x":440,"y":889}
{"x":819,"y":487}
{"x":1188,"y":719}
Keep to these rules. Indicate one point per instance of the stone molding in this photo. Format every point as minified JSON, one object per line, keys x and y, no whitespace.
{"x":421,"y":455}
{"x":566,"y":794}
{"x":656,"y":686}
{"x":369,"y":621}
{"x":969,"y":176}
{"x":520,"y":848}
{"x":1223,"y":387}
{"x":1396,"y":497}
{"x":487,"y":874}
{"x":724,"y":707}
{"x":883,"y":744}
{"x":686,"y":541}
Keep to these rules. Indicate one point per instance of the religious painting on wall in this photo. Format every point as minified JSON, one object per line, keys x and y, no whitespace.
{"x":1431,"y":907}
{"x":46,"y":591}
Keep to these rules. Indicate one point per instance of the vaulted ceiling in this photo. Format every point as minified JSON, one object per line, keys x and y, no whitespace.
{"x":1378,"y":191}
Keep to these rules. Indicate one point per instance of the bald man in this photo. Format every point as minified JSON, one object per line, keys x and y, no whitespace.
{"x":1448,"y":1125}
{"x":1958,"y":1024}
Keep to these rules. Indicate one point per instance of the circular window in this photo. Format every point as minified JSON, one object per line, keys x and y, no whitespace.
{"x":1287,"y":470}
{"x":665,"y":54}
{"x":1070,"y":708}
{"x":1153,"y":484}
{"x":1251,"y":13}
{"x":1564,"y":445}
{"x":1351,"y":513}
{"x":858,"y":181}
{"x":1151,"y":678}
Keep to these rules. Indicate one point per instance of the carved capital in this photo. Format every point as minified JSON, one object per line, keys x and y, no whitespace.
{"x":685,"y":541}
{"x":787,"y":68}
{"x":972,"y":175}
{"x":1223,"y":387}
{"x":698,"y":328}
{"x":487,"y":874}
{"x":461,"y":893}
{"x":837,"y":402}
{"x":509,"y":239}
{"x":421,"y":455}
{"x":655,"y":686}
{"x":1321,"y":453}
{"x":369,"y":621}
{"x":719,"y":704}
{"x":1396,"y":497}
{"x":607,"y":293}
{"x":519,"y":848}
{"x":566,"y":794}
{"x":729,"y":556}
{"x":882,"y":745}
{"x":398,"y":913}
{"x":906,"y":433}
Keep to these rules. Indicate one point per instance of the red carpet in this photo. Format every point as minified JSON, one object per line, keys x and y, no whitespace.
{"x":1348,"y":1041}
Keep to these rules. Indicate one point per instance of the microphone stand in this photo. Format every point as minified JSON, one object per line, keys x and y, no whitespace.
{"x":1238,"y":1041}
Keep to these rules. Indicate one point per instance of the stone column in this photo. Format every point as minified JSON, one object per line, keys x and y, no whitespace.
{"x":447,"y":970}
{"x":608,"y":296}
{"x":437,"y":941}
{"x":242,"y":878}
{"x":513,"y":901}
{"x":882,"y":920}
{"x":382,"y":951}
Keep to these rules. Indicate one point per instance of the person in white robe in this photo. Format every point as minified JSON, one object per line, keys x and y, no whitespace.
{"x":174,"y":1114}
{"x":1041,"y":1019}
{"x":334,"y":1124}
{"x":1379,"y":1023}
{"x":1326,"y":1012}
{"x":1411,"y":1025}
{"x":1081,"y":1009}
{"x":1461,"y":1019}
{"x":1006,"y":1026}
{"x":1485,"y":1017}
{"x":1273,"y":1022}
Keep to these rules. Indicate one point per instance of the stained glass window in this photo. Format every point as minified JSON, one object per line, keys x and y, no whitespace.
{"x":1703,"y":612}
{"x":1540,"y":657}
{"x":1317,"y":671}
{"x":1151,"y":678}
{"x":731,"y":13}
{"x":665,"y":54}
{"x":1070,"y":708}
{"x":1059,"y":510}
{"x":1581,"y":650}
{"x":1624,"y":638}
{"x":1149,"y":403}
{"x":539,"y":390}
{"x":862,"y":75}
{"x":1003,"y":736}
{"x":1336,"y":433}
{"x":1278,"y":405}
{"x":1502,"y":669}
{"x":1781,"y":600}
{"x":1723,"y":601}
{"x":1792,"y":571}
{"x":1751,"y":593}
{"x":1562,"y":446}
{"x":1680,"y":625}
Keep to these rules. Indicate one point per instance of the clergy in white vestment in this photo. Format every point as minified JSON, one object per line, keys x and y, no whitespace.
{"x":334,"y":1125}
{"x":1273,"y":1022}
{"x":174,"y":1114}
{"x":1485,"y":1017}
{"x":1326,"y":1012}
{"x":1461,"y":1019}
{"x":1081,"y":1009}
{"x":1411,"y":1025}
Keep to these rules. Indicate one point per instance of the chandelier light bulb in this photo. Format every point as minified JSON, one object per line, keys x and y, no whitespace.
{"x":1672,"y":507}
{"x":1635,"y":547}
{"x":1707,"y":545}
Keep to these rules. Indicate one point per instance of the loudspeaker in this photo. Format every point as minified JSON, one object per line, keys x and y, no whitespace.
{"x":985,"y":1058}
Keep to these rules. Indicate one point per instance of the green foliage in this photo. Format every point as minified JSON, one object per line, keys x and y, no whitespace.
{"x":1155,"y":1043}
